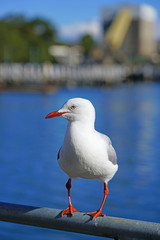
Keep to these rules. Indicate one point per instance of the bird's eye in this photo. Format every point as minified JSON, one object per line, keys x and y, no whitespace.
{"x":72,"y":107}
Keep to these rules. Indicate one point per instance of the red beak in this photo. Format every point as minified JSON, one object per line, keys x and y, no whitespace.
{"x":54,"y":114}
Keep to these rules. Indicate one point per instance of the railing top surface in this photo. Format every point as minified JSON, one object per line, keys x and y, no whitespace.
{"x":112,"y":227}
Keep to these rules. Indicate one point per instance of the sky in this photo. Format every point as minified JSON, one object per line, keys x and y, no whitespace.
{"x":70,"y":17}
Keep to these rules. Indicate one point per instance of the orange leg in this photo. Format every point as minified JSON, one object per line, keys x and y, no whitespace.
{"x":99,"y":211}
{"x":70,"y":210}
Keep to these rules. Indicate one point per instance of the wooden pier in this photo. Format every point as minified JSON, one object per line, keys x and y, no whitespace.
{"x":48,"y":74}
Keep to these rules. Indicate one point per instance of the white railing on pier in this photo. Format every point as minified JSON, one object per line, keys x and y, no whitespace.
{"x":58,"y":73}
{"x":83,"y":74}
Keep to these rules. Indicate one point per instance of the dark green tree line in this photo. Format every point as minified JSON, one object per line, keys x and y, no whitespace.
{"x":23,"y":40}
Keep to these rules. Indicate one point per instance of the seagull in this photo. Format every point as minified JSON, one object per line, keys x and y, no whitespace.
{"x":85,"y":153}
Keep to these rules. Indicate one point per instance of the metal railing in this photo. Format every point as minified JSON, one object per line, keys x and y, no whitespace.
{"x":111,"y":227}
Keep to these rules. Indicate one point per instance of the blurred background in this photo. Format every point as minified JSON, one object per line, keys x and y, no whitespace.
{"x":107,"y":52}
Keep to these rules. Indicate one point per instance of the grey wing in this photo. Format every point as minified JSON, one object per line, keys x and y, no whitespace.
{"x":110,"y":150}
{"x":112,"y":154}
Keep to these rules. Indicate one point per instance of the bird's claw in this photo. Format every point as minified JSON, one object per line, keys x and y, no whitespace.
{"x":69,"y":211}
{"x":96,"y":214}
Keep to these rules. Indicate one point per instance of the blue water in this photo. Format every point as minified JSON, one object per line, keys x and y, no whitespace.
{"x":29,"y":172}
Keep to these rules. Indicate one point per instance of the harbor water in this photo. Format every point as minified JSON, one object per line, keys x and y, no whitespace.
{"x":29,"y":173}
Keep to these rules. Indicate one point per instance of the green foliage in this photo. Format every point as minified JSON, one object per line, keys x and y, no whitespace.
{"x":23,"y":40}
{"x":87,"y":42}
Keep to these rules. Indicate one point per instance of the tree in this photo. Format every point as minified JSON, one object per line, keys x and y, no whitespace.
{"x":87,"y":43}
{"x":23,"y":40}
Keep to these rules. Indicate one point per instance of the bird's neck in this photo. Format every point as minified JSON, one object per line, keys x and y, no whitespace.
{"x":81,"y":125}
{"x":78,"y":132}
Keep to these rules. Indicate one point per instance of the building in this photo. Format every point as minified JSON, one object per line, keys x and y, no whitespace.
{"x":130,"y":29}
{"x":67,"y":55}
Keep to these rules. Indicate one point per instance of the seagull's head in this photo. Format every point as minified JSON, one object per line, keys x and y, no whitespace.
{"x":76,"y":109}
